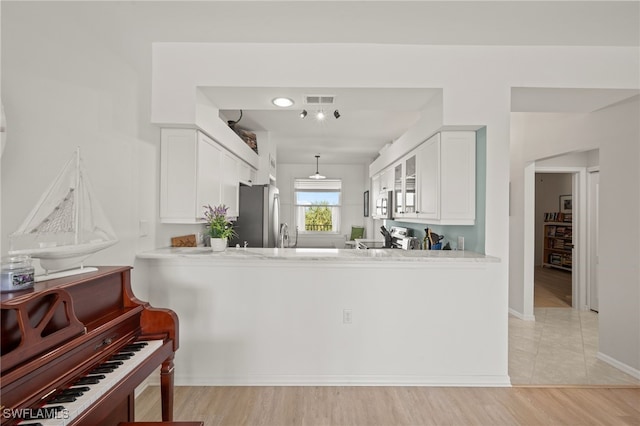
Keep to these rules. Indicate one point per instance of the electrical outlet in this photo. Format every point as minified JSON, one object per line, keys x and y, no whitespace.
{"x":347,"y":316}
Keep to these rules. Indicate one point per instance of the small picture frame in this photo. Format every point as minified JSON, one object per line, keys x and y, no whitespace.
{"x":566,"y":204}
{"x":366,"y":203}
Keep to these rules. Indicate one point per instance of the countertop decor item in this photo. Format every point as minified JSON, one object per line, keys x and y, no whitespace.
{"x":219,"y":226}
{"x":218,"y":244}
{"x":17,"y":273}
{"x":184,"y":241}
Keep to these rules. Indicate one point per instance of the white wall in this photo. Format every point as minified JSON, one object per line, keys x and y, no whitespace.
{"x":251,"y":321}
{"x":615,"y":132}
{"x":75,"y":82}
{"x":549,"y":186}
{"x":354,"y":182}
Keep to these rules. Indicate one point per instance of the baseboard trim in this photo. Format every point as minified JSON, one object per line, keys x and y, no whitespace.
{"x":284,"y":380}
{"x":619,"y":365}
{"x":521,"y":316}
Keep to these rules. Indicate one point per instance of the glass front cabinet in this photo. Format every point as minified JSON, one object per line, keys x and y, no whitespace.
{"x":436,"y":182}
{"x":398,"y":191}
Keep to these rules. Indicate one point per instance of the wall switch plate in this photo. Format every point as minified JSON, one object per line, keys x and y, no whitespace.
{"x":460,"y":243}
{"x":347,"y":316}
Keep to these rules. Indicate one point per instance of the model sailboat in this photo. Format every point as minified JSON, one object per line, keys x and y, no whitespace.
{"x":66,"y":226}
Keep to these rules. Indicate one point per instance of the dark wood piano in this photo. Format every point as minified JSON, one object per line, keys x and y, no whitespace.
{"x":74,"y":349}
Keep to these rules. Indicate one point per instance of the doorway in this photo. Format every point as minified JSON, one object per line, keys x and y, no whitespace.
{"x":579,"y":232}
{"x":553,"y":284}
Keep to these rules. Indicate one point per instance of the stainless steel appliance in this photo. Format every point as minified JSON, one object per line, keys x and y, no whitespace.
{"x":258,"y":216}
{"x":396,"y":238}
{"x":384,"y":205}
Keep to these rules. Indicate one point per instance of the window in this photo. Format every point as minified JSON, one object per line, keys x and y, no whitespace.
{"x":317,"y":205}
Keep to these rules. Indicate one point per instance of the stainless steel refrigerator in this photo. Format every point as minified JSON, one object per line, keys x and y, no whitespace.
{"x":258,"y":217}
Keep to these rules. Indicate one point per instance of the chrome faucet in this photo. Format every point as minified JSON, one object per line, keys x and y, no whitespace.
{"x":283,"y":236}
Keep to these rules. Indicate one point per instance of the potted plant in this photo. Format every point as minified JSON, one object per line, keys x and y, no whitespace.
{"x":219,"y":226}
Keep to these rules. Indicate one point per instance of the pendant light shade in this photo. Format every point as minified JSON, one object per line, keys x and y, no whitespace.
{"x":317,"y":175}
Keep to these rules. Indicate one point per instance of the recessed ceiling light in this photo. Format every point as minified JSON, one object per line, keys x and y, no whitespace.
{"x":282,"y":102}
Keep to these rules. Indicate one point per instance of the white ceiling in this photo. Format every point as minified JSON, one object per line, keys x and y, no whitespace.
{"x":370,"y":118}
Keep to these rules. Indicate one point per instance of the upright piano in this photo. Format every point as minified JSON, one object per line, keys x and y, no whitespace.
{"x":74,"y":349}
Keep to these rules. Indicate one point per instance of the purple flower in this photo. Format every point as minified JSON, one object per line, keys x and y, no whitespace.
{"x":218,"y":224}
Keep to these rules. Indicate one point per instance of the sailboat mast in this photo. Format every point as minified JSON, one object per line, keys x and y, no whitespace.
{"x":76,"y":203}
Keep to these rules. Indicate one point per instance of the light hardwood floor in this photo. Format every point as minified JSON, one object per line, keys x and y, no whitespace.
{"x":552,"y":288}
{"x":329,"y":405}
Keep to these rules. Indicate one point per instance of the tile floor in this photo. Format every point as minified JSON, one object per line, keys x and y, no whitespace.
{"x":559,"y":348}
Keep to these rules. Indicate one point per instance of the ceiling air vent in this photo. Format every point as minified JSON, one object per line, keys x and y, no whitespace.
{"x":319,"y":99}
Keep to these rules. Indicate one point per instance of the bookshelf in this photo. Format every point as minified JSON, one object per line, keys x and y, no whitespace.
{"x":558,"y":241}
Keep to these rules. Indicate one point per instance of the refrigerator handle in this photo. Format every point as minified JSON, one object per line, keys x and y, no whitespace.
{"x":276,"y":218}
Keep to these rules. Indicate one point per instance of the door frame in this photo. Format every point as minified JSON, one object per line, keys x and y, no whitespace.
{"x":579,"y":223}
{"x":590,"y":236}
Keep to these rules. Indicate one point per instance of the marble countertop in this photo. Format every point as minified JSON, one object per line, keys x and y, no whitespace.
{"x":318,"y":254}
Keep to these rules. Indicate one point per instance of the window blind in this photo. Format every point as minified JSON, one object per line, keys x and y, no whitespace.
{"x":312,"y":185}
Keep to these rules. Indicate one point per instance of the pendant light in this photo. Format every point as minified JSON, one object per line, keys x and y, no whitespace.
{"x":317,"y":175}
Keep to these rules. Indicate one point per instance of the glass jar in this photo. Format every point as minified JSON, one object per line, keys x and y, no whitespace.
{"x":16,"y":274}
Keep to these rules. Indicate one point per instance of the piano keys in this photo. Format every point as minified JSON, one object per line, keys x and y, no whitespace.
{"x":73,"y":404}
{"x":84,"y":343}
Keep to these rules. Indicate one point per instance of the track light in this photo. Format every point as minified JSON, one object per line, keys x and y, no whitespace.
{"x":320,"y":114}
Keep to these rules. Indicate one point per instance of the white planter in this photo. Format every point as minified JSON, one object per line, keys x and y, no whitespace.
{"x":218,"y":244}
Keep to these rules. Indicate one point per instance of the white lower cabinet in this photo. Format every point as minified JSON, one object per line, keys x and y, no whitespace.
{"x":195,"y":171}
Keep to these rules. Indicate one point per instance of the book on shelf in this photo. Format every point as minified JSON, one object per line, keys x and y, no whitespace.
{"x":551,"y":231}
{"x":555,"y":259}
{"x":558,"y":217}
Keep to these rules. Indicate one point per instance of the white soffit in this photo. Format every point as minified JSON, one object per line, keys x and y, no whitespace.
{"x":566,"y":100}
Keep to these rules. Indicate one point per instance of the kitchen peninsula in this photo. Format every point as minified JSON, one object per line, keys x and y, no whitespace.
{"x":259,"y":316}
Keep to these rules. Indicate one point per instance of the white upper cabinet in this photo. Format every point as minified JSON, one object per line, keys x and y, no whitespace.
{"x":398,"y":190}
{"x":386,"y":180}
{"x":208,"y":175}
{"x":458,"y":177}
{"x":375,"y":186}
{"x":429,"y":178}
{"x":230,"y":183}
{"x":195,"y":171}
{"x":436,"y":182}
{"x":410,"y":182}
{"x":248,"y":174}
